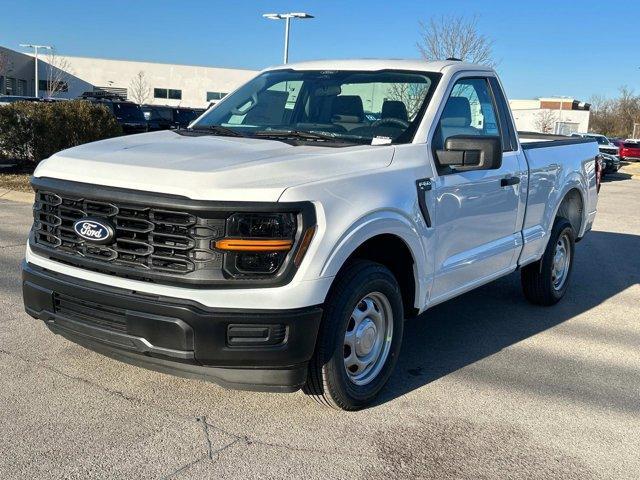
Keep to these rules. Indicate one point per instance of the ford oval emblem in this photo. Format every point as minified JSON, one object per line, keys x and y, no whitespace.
{"x":94,"y":230}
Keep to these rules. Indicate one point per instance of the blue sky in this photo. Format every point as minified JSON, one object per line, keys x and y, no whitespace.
{"x":576,"y":48}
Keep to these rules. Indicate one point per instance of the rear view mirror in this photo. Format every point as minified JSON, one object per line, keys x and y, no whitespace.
{"x":471,"y":152}
{"x":328,"y":91}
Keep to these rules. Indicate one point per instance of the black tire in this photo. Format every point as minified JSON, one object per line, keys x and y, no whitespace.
{"x":328,"y":381}
{"x":537,"y":278}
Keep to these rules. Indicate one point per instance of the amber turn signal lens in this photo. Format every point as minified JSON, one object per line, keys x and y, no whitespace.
{"x":257,"y":245}
{"x":304,"y":245}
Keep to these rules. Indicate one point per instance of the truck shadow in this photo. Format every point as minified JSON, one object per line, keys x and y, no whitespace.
{"x":477,"y":325}
{"x":616,"y":177}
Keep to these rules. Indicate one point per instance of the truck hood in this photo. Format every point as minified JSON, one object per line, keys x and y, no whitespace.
{"x":209,"y":167}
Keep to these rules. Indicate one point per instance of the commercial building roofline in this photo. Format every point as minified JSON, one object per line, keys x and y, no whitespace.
{"x":148,"y":61}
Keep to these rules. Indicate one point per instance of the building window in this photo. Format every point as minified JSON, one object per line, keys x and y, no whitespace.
{"x":48,"y":86}
{"x":211,"y":96}
{"x":10,"y":85}
{"x":21,"y":87}
{"x":167,"y":93}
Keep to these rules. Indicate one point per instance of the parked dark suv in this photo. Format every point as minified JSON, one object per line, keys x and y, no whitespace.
{"x":163,"y":117}
{"x":128,"y":114}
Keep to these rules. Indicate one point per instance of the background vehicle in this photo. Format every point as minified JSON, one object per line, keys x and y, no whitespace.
{"x":630,"y":149}
{"x":128,"y":114}
{"x":616,"y":141}
{"x":604,"y":144}
{"x":280,"y":241}
{"x":611,"y":163}
{"x":7,"y":99}
{"x":162,"y":117}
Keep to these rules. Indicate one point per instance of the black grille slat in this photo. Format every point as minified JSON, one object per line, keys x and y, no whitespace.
{"x":147,"y":239}
{"x":112,"y":318}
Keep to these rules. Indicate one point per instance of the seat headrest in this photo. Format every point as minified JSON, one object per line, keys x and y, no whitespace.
{"x":394,"y":109}
{"x":457,"y":113}
{"x":348,"y":106}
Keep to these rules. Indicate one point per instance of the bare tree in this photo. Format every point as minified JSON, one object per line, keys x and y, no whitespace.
{"x":5,"y":67}
{"x":4,"y":63}
{"x":139,"y":88}
{"x":411,"y":94}
{"x":545,"y":121}
{"x":58,"y":74}
{"x":615,"y":117}
{"x":455,"y":36}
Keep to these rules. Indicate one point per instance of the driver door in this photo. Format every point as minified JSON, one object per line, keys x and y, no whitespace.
{"x":475,"y":212}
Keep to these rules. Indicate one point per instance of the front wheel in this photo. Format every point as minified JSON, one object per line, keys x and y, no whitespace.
{"x":360,"y":337}
{"x":545,"y":281}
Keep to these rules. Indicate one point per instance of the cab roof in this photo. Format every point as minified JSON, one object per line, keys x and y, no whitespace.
{"x":371,"y":64}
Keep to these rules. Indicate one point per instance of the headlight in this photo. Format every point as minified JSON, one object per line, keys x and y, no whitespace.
{"x":262,"y":225}
{"x":257,"y":244}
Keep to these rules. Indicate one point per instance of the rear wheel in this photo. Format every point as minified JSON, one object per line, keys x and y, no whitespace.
{"x":545,"y":281}
{"x":360,"y":337}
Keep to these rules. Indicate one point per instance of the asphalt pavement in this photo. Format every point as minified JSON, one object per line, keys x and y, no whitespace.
{"x":487,"y":386}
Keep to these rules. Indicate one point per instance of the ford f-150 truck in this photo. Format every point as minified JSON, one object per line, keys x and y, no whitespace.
{"x":282,"y":239}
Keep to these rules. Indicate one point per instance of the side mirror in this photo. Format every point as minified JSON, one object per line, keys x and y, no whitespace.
{"x":471,"y":152}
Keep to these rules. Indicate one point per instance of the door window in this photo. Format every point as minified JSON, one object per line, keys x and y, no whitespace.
{"x":469,"y":110}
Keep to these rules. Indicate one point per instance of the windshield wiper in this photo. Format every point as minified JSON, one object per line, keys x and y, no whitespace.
{"x":293,"y":134}
{"x":218,"y":130}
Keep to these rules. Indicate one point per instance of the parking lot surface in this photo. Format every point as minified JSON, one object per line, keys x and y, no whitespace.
{"x":487,"y":386}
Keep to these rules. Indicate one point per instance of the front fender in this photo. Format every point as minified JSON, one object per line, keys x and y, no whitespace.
{"x":379,"y":223}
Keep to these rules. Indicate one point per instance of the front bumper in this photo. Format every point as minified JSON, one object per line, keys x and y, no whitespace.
{"x":265,"y":350}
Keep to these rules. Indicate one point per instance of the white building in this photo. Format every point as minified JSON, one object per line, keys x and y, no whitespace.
{"x":560,"y":115}
{"x":167,"y":84}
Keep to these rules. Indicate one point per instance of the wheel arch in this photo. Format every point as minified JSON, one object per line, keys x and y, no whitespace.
{"x":392,"y":241}
{"x":572,"y":207}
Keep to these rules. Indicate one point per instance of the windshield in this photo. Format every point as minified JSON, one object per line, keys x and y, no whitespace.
{"x":128,"y":111}
{"x":601,"y":139}
{"x":184,"y":116}
{"x":342,"y":106}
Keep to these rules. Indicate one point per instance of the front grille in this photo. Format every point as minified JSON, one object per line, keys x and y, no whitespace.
{"x":147,"y":240}
{"x":103,"y":316}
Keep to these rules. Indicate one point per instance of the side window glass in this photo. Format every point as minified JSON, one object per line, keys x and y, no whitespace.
{"x":469,"y":111}
{"x":509,"y":141}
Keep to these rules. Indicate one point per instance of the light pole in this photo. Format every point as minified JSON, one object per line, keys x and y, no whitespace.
{"x":287,"y":18}
{"x":560,"y":126}
{"x":35,"y":54}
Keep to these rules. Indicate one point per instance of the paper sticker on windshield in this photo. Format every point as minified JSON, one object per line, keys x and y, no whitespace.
{"x":381,"y":141}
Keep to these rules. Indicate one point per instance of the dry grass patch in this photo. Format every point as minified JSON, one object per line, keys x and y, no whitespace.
{"x":15,"y":181}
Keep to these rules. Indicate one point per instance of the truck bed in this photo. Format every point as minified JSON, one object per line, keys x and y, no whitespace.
{"x":557,"y":164}
{"x":530,"y":140}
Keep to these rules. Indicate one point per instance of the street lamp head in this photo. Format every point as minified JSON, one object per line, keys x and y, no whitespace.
{"x":287,"y":17}
{"x":284,"y":16}
{"x":30,"y":45}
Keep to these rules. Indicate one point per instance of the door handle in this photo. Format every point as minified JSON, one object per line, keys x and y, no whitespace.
{"x":505,"y":182}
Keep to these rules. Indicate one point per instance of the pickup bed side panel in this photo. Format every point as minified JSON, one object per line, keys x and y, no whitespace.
{"x":554,"y":171}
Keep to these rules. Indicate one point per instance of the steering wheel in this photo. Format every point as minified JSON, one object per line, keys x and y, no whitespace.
{"x":385,"y":121}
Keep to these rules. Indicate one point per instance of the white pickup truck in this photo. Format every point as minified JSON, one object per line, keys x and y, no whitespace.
{"x":282,"y":239}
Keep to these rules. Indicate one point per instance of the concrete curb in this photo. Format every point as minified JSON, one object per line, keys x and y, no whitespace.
{"x":15,"y":196}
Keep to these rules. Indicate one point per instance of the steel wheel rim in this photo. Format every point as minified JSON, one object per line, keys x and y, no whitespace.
{"x":367,"y":339}
{"x":561,"y":262}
